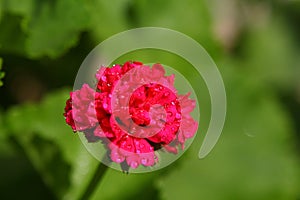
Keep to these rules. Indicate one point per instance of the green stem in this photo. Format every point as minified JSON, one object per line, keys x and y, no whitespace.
{"x":94,"y":183}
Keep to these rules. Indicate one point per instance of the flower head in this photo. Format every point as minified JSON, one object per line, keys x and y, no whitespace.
{"x":136,"y":110}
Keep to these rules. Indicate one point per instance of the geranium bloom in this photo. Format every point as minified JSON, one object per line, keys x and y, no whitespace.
{"x":135,"y":110}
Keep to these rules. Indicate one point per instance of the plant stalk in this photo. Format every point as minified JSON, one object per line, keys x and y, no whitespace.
{"x":95,"y":181}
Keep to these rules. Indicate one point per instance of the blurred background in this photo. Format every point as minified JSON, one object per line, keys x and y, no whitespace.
{"x":256,"y":45}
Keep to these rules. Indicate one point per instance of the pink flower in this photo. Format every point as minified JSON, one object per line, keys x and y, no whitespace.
{"x":80,"y":110}
{"x":135,"y":110}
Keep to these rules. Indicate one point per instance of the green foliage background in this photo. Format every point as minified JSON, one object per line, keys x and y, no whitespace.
{"x":255,"y":45}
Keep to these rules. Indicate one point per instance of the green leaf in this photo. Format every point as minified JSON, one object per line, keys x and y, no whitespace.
{"x":190,"y":17}
{"x":14,"y":22}
{"x":12,"y":38}
{"x":104,"y":14}
{"x":21,"y":8}
{"x":54,"y":150}
{"x":270,"y":57}
{"x":42,"y":28}
{"x":55,"y":26}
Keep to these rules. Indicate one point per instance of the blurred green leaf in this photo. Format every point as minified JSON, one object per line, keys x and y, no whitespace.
{"x":12,"y":38}
{"x":42,"y":28}
{"x":107,"y":18}
{"x":189,"y":17}
{"x":55,"y":26}
{"x":15,"y":16}
{"x":54,"y":150}
{"x":271,"y":58}
{"x":21,"y":8}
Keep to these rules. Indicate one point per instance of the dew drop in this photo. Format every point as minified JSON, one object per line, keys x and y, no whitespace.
{"x":103,"y":78}
{"x":105,"y":105}
{"x":133,"y":164}
{"x":144,"y":161}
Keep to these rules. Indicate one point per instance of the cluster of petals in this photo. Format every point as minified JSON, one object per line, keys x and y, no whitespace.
{"x":133,"y":120}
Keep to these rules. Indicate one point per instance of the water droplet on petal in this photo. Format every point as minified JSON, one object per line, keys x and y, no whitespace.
{"x":144,"y":161}
{"x":134,"y":164}
{"x":173,"y":129}
{"x":105,"y":105}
